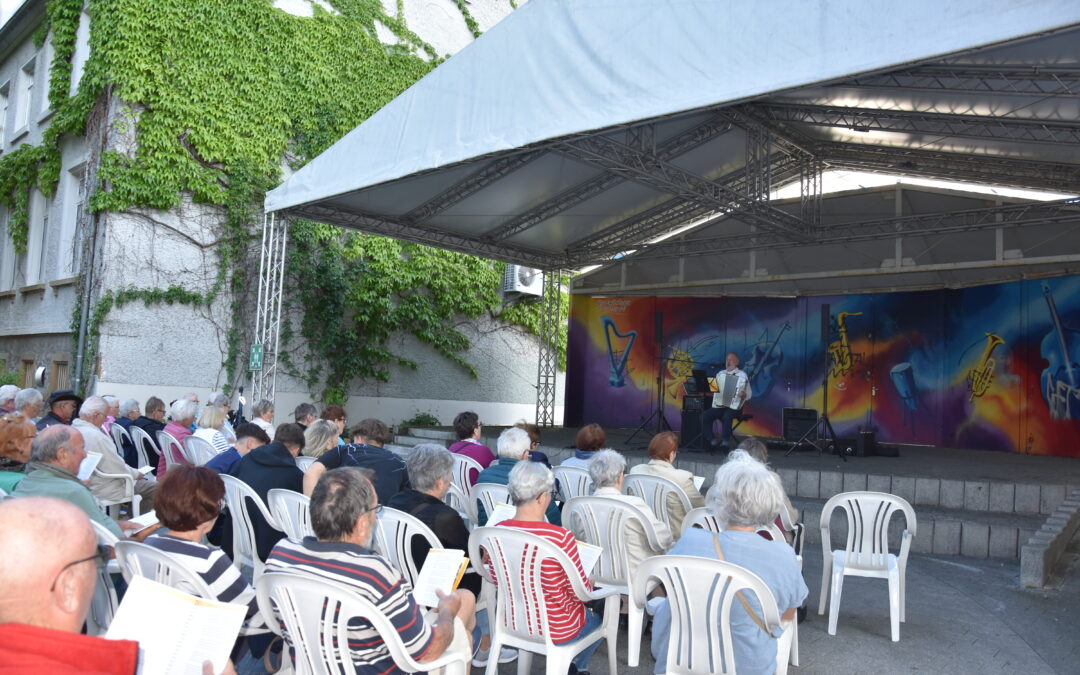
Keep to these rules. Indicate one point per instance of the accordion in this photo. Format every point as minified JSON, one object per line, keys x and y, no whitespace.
{"x":728,"y":388}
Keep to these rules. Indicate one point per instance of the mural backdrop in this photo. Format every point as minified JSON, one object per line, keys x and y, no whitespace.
{"x":991,"y":368}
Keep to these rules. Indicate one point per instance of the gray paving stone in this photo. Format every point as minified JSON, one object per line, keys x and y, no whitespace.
{"x":1002,"y":497}
{"x":878,"y":483}
{"x":904,"y":487}
{"x":854,"y":482}
{"x":924,"y":538}
{"x":1003,"y":541}
{"x":1050,"y":496}
{"x":951,"y":494}
{"x":974,"y":539}
{"x":1026,"y":498}
{"x":976,"y":495}
{"x":947,"y":537}
{"x":927,"y":491}
{"x":808,"y":484}
{"x":831,"y":483}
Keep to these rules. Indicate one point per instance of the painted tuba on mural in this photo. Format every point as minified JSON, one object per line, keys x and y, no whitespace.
{"x":981,"y":376}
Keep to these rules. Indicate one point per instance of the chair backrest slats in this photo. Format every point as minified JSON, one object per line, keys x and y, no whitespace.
{"x":658,"y":493}
{"x":490,"y":495}
{"x":574,"y":481}
{"x":238,"y":497}
{"x":868,"y":515}
{"x":168,"y":444}
{"x":463,"y":465}
{"x":143,"y":560}
{"x":292,"y":512}
{"x":603,"y":521}
{"x":398,"y":530}
{"x":198,"y":450}
{"x":140,"y":439}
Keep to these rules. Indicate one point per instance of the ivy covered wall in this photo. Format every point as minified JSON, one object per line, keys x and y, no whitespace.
{"x":201,"y":107}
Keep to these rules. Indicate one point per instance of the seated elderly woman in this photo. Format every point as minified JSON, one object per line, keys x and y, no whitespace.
{"x":755,"y":448}
{"x":589,"y":439}
{"x":16,"y":434}
{"x":320,"y":436}
{"x":182,"y":412}
{"x":607,"y":469}
{"x":663,"y":449}
{"x":531,"y":490}
{"x":262,"y":414}
{"x":747,"y":496}
{"x":210,"y":428}
{"x":513,"y":447}
{"x":187,"y":503}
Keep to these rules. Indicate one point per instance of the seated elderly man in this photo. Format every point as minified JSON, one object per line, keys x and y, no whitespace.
{"x":55,"y":456}
{"x":62,"y":407}
{"x":8,"y":392}
{"x":91,"y":417}
{"x":531,"y":487}
{"x":305,"y":414}
{"x":248,"y":437}
{"x":48,"y":556}
{"x":513,"y":446}
{"x":607,"y":469}
{"x":183,"y":411}
{"x":152,"y":421}
{"x":746,"y":496}
{"x":366,"y":451}
{"x":128,"y":413}
{"x":344,"y":509}
{"x":28,"y":403}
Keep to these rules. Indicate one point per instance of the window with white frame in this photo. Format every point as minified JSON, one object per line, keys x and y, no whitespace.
{"x":71,"y":224}
{"x":45,"y":57}
{"x":7,"y":254}
{"x":81,"y":53}
{"x":24,"y":94}
{"x":37,"y":237}
{"x":4,"y":89}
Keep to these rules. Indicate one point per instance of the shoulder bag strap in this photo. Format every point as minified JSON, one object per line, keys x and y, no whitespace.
{"x":739,"y":594}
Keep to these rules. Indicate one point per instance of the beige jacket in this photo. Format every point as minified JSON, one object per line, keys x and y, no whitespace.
{"x":108,"y":489}
{"x":682,"y":478}
{"x":637,"y":544}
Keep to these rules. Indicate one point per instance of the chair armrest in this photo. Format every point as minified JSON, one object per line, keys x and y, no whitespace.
{"x":905,"y":544}
{"x":601,"y":593}
{"x":122,"y":476}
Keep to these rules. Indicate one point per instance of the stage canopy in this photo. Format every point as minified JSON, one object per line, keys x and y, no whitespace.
{"x":648,"y":135}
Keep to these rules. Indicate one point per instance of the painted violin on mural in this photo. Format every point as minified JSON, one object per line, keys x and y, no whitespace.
{"x":1061,"y":349}
{"x":764,"y":358}
{"x":616,"y":358}
{"x":981,"y":376}
{"x":842,"y":359}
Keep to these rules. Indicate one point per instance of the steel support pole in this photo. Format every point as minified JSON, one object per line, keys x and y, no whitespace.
{"x":268,"y":309}
{"x":548,"y":363}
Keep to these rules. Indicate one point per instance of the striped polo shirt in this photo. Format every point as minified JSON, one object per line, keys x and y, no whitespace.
{"x":566,"y":614}
{"x":373,"y":578}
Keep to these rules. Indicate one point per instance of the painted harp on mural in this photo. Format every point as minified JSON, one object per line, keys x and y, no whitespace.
{"x":728,"y":387}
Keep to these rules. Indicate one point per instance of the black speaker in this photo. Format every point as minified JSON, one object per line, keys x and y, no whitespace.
{"x":865,"y":445}
{"x":691,"y":430}
{"x":797,"y":421}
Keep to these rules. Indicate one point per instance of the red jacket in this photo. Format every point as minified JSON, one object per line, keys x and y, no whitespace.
{"x":30,"y":649}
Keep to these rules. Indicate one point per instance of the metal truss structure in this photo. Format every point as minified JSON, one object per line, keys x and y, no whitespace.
{"x":1036,"y":80}
{"x":547,"y":365}
{"x":275,"y":238}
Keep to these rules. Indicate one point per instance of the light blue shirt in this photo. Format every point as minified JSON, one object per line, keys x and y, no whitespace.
{"x":773,"y":561}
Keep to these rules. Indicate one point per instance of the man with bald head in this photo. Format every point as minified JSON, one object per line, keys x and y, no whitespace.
{"x":48,"y":559}
{"x":55,"y":456}
{"x":92,"y":415}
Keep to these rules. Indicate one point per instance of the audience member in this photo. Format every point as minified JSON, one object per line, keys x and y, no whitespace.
{"x":55,"y":455}
{"x":63,"y":405}
{"x":182,"y":414}
{"x":534,"y":443}
{"x":248,"y":437}
{"x":268,"y":467}
{"x":390,"y":474}
{"x":321,"y":436}
{"x":589,"y":439}
{"x":513,"y":446}
{"x":112,"y":411}
{"x":336,"y":414}
{"x":8,"y":392}
{"x":262,"y":415}
{"x":746,"y":496}
{"x":129,"y":411}
{"x":757,"y":449}
{"x":531,"y":490}
{"x":663,"y":449}
{"x":104,"y":487}
{"x":344,"y":508}
{"x":209,"y":427}
{"x":16,"y":434}
{"x":49,"y":558}
{"x":467,"y":428}
{"x":152,"y":422}
{"x":222,"y":401}
{"x":28,"y":403}
{"x":305,"y":414}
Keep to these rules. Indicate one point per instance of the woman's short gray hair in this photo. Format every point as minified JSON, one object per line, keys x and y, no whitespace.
{"x":262,"y":407}
{"x":513,"y":443}
{"x":605,"y":467}
{"x":183,"y":409}
{"x":318,"y":434}
{"x":219,"y":400}
{"x":746,"y":493}
{"x":127,"y":406}
{"x":529,"y":480}
{"x":756,"y":448}
{"x":27,"y":397}
{"x":427,"y":463}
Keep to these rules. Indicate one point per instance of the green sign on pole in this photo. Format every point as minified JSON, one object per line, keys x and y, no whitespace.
{"x":255,"y":360}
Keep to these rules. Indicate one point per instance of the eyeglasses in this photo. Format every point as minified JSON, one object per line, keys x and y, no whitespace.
{"x":101,"y":558}
{"x":377,"y":509}
{"x":554,"y":494}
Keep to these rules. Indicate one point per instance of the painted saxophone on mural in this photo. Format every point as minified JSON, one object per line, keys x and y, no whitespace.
{"x":842,"y":359}
{"x":981,"y":376}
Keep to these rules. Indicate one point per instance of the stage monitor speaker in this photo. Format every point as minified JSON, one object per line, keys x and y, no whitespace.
{"x":694,"y":404}
{"x":691,"y":430}
{"x":797,"y":421}
{"x":865,"y":444}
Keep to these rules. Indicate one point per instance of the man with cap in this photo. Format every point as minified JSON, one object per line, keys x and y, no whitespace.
{"x":63,"y":404}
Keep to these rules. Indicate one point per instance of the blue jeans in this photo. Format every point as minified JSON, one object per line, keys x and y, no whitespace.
{"x":726,"y":417}
{"x":592,"y":622}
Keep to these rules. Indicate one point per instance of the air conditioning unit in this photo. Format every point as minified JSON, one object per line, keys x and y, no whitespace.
{"x":521,"y":280}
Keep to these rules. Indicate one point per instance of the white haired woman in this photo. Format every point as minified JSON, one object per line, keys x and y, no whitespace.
{"x":755,"y":449}
{"x":182,"y":413}
{"x":607,"y":469}
{"x":746,"y":496}
{"x":320,"y":436}
{"x":262,"y":415}
{"x":210,"y":427}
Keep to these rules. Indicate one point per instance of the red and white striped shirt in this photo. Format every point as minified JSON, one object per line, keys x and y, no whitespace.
{"x":566,"y":614}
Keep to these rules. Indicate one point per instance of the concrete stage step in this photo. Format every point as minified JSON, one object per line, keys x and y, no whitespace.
{"x":433,"y":434}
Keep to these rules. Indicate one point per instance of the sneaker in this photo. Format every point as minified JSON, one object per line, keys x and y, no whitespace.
{"x":506,"y":655}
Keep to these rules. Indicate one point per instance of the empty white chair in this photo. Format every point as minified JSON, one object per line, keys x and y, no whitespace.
{"x":143,"y":445}
{"x":144,"y":560}
{"x":490,"y":495}
{"x":304,"y":463}
{"x":657,"y":492}
{"x":398,"y":529}
{"x":701,"y":517}
{"x":292,"y":512}
{"x":602,"y":521}
{"x":316,"y":614}
{"x":238,"y":495}
{"x":866,"y":553}
{"x":199,"y":451}
{"x":463,"y":466}
{"x":458,"y":500}
{"x":168,"y":444}
{"x":104,"y":601}
{"x":702,"y":592}
{"x":521,"y":612}
{"x":573,"y":482}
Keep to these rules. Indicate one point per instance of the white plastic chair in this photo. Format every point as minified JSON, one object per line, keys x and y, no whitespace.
{"x":701,"y":517}
{"x":140,"y":439}
{"x":490,"y":495}
{"x":657,"y":492}
{"x":245,"y":550}
{"x":119,"y":435}
{"x":129,"y":494}
{"x":167,"y":444}
{"x":866,"y":553}
{"x":292,"y":511}
{"x":104,"y":602}
{"x":398,"y":529}
{"x":304,"y":463}
{"x":573,"y":482}
{"x":456,"y":499}
{"x":462,"y":466}
{"x":144,"y":560}
{"x":199,"y":451}
{"x":701,"y":592}
{"x":602,"y":521}
{"x":797,"y":530}
{"x":316,"y":615}
{"x":521,"y":619}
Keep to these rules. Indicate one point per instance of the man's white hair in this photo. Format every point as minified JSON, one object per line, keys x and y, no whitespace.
{"x":94,"y":404}
{"x":183,"y":409}
{"x":27,"y":397}
{"x":746,"y":493}
{"x":8,"y":393}
{"x":127,"y":406}
{"x":513,"y":443}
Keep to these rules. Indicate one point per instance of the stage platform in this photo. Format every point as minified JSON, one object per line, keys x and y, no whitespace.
{"x":980,"y":504}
